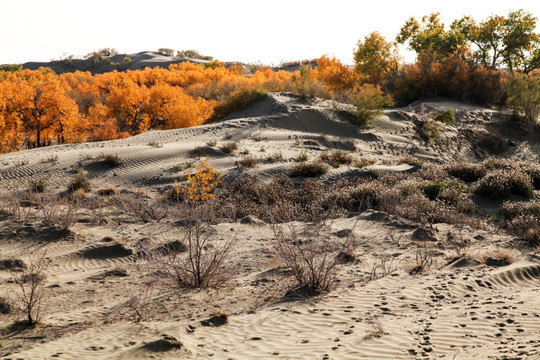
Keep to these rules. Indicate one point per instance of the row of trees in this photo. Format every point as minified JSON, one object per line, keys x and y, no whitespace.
{"x":468,"y":60}
{"x":39,"y":107}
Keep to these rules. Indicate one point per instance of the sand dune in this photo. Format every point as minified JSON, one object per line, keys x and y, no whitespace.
{"x":381,"y":309}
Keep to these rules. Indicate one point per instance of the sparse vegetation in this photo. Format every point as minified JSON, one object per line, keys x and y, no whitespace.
{"x":80,"y":182}
{"x":363,"y":162}
{"x":301,"y":157}
{"x":335,"y":158}
{"x":312,"y":169}
{"x":31,"y":292}
{"x":38,"y":185}
{"x":309,"y":254}
{"x":249,"y":161}
{"x":112,"y":160}
{"x":229,"y":147}
{"x":369,"y":101}
{"x":446,"y":117}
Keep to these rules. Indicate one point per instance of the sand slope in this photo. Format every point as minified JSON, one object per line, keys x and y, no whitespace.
{"x":461,"y":309}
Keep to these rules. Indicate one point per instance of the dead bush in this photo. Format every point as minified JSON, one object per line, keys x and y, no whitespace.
{"x":465,"y":171}
{"x":335,"y":158}
{"x":311,"y":256}
{"x":312,"y":169}
{"x":523,"y":219}
{"x":249,"y":161}
{"x":204,"y":264}
{"x":302,"y":157}
{"x":275,"y":157}
{"x":229,"y":148}
{"x":30,"y":292}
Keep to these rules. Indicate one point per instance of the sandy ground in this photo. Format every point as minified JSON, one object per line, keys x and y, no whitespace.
{"x":380,"y":309}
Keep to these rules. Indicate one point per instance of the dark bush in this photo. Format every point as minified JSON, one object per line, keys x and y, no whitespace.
{"x":312,"y":169}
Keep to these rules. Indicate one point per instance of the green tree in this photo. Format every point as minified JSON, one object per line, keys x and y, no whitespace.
{"x":376,"y":58}
{"x":430,"y":35}
{"x":524,"y":96}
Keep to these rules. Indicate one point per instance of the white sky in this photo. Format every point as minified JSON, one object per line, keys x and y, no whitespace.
{"x":268,"y":31}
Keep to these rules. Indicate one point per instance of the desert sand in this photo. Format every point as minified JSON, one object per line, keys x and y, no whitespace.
{"x":379,"y":309}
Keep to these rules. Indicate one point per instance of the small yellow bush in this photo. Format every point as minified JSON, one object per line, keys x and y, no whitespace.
{"x":201,"y":184}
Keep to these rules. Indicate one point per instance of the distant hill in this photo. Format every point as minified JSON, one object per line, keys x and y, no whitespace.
{"x":137,"y":61}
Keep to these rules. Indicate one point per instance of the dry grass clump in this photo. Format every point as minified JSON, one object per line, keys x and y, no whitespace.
{"x":38,"y":185}
{"x":533,"y":170}
{"x":363,"y":162}
{"x":499,"y":184}
{"x":249,"y":161}
{"x":302,"y":157}
{"x":411,"y":160}
{"x":465,"y":171}
{"x":108,"y":191}
{"x":522,"y":218}
{"x":112,"y":160}
{"x":335,"y":158}
{"x":229,"y":147}
{"x":312,"y":169}
{"x":275,"y":157}
{"x":196,"y":152}
{"x":80,"y":182}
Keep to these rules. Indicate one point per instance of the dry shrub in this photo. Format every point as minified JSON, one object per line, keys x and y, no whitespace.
{"x":80,"y":181}
{"x":434,"y":188}
{"x":499,"y":184}
{"x":363,"y":162}
{"x":108,"y":191}
{"x":312,"y":169}
{"x":112,"y":160}
{"x":38,"y":185}
{"x":533,"y":170}
{"x":383,"y":268}
{"x":196,"y":152}
{"x":522,"y":218}
{"x":30,"y":292}
{"x":465,"y":171}
{"x":249,"y":161}
{"x":275,"y":157}
{"x":302,"y":157}
{"x":335,"y":158}
{"x":411,"y":160}
{"x":311,"y":256}
{"x":229,"y":148}
{"x":278,"y":200}
{"x":355,"y":197}
{"x":142,"y":207}
{"x":424,"y":258}
{"x":204,"y":264}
